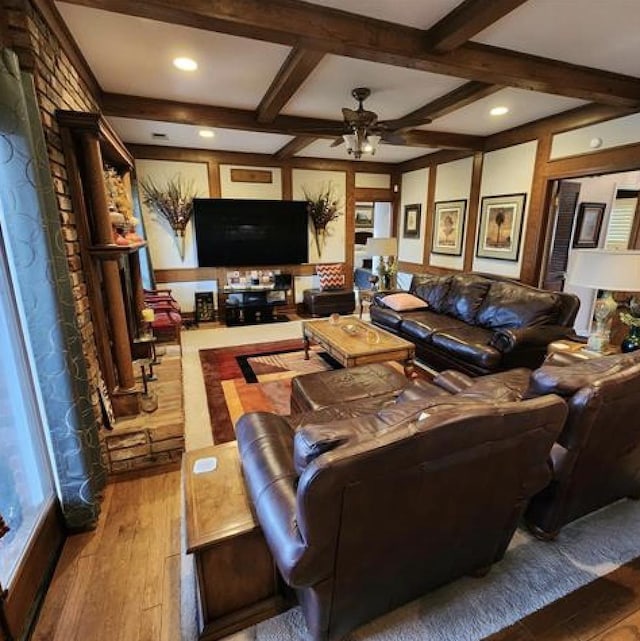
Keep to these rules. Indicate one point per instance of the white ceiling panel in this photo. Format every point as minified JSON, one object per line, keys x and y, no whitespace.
{"x":395,"y":91}
{"x":523,"y":105}
{"x":140,"y":132}
{"x":134,"y":56}
{"x":385,"y":153}
{"x":594,"y":33}
{"x":412,"y":13}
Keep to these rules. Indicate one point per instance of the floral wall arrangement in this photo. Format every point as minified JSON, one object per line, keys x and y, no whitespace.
{"x":172,"y":203}
{"x":323,"y":207}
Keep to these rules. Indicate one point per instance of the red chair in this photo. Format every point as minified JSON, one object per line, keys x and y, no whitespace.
{"x":167,"y":317}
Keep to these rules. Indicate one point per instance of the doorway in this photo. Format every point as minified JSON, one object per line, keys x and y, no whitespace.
{"x":616,"y":195}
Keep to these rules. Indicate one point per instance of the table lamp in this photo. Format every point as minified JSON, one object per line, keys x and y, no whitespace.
{"x":387,"y":250}
{"x":611,"y":271}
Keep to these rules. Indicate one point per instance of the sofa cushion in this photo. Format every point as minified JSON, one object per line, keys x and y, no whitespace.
{"x":566,"y":380}
{"x":465,"y":296}
{"x":468,"y":344}
{"x":331,"y":276}
{"x":404,"y":302}
{"x":431,"y":288}
{"x":386,"y":318}
{"x":508,"y":305}
{"x":421,"y":325}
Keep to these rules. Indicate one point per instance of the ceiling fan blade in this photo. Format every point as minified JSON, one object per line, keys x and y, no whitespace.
{"x":393,"y":138}
{"x":337,"y":142}
{"x":404,"y":123}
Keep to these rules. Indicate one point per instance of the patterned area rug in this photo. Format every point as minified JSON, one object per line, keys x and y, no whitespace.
{"x":256,"y":377}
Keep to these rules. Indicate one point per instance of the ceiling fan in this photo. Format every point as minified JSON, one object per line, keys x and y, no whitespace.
{"x":362,"y":131}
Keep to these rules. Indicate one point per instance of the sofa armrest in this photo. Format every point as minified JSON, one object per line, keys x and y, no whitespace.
{"x":506,"y":340}
{"x":265,"y":442}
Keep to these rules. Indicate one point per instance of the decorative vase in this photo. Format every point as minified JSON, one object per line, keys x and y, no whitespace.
{"x":632,"y":340}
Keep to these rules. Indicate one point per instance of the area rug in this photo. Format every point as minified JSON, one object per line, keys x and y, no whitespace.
{"x":255,"y":377}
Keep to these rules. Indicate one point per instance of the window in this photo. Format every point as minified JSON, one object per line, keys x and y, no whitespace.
{"x":26,"y":489}
{"x":621,"y":219}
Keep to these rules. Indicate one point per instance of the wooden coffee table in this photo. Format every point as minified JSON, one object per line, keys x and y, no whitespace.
{"x":353,"y":342}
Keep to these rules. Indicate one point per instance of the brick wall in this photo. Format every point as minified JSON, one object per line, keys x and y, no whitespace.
{"x":58,"y":86}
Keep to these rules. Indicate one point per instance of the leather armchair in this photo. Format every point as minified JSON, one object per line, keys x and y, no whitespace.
{"x":366,"y":513}
{"x":596,"y":460}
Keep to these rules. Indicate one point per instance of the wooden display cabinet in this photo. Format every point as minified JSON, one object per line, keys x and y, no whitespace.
{"x":112,"y":272}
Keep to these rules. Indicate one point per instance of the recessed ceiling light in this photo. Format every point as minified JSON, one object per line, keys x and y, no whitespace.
{"x":206,"y":133}
{"x":499,"y":111}
{"x":185,"y":64}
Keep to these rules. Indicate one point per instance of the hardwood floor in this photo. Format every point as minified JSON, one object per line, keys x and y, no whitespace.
{"x":608,"y":609}
{"x":121,"y":582}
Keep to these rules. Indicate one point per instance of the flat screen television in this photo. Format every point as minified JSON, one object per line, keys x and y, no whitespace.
{"x":234,"y":232}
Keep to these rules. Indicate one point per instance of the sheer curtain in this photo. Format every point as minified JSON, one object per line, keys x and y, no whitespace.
{"x":26,"y":487}
{"x":30,"y":223}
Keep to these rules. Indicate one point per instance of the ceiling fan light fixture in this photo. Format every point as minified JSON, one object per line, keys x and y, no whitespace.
{"x":373,"y":141}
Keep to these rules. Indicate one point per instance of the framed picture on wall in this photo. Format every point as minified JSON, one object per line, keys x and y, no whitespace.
{"x":412,"y":215}
{"x":588,"y":225}
{"x":364,"y":214}
{"x":501,"y":226}
{"x":448,"y":227}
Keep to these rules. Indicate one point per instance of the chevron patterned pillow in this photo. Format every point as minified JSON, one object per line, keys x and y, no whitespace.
{"x":331,"y":276}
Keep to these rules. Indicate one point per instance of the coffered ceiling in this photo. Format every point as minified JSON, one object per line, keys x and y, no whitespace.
{"x":274,"y":75}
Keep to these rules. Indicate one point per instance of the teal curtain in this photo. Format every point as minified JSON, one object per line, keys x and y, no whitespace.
{"x":31,"y":225}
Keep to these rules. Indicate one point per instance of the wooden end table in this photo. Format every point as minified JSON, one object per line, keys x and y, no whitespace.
{"x":237,"y":581}
{"x":353,"y":342}
{"x":567,"y":352}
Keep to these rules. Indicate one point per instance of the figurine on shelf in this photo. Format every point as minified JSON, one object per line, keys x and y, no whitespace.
{"x":120,"y":210}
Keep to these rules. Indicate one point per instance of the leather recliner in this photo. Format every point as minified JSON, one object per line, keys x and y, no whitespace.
{"x":596,"y":459}
{"x":366,"y":513}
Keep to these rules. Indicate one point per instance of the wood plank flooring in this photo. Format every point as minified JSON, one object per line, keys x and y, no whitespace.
{"x":121,"y":582}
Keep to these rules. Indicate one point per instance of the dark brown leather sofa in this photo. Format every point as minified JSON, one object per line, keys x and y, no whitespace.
{"x":478,"y":323}
{"x":371,"y":502}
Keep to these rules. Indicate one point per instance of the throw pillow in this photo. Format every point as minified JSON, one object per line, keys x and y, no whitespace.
{"x":331,"y":276}
{"x":404,"y":302}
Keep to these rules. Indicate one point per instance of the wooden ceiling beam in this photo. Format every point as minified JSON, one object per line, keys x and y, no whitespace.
{"x":332,"y":31}
{"x":465,"y":21}
{"x":208,"y":116}
{"x":294,"y":71}
{"x":461,"y":97}
{"x":442,"y":140}
{"x":293,"y":147}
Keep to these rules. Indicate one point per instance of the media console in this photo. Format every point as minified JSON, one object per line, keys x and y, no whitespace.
{"x":251,"y":304}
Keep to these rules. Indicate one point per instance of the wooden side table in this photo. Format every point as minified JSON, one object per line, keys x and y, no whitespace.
{"x":568,"y":352}
{"x":237,"y":581}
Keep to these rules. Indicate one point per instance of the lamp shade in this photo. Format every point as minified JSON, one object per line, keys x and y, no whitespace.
{"x":617,"y":271}
{"x":381,"y":247}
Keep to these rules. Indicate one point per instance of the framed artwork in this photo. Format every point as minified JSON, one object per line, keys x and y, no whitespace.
{"x":364,"y":215}
{"x":412,"y":214}
{"x":501,"y":226}
{"x":448,"y":227}
{"x":588,"y":225}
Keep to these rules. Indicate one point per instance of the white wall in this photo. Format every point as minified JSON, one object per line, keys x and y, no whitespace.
{"x":506,"y":171}
{"x":453,"y":182}
{"x":414,"y":190}
{"x":264,"y":191}
{"x":613,"y":133}
{"x":312,"y":181}
{"x":162,"y":246}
